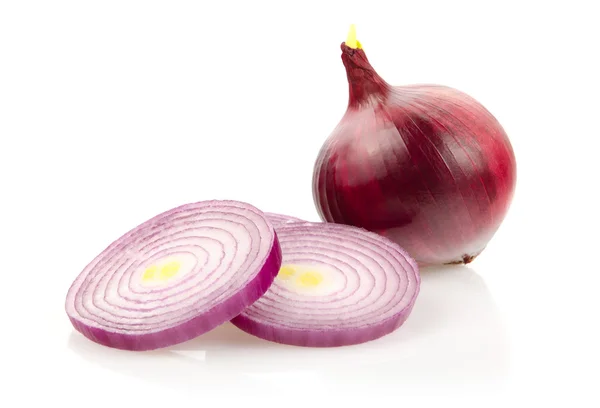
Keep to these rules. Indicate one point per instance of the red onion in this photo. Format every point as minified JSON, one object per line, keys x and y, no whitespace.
{"x":338,"y":285}
{"x":425,"y":165}
{"x":176,"y":276}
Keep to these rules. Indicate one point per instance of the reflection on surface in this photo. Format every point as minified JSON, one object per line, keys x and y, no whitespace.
{"x":453,"y":336}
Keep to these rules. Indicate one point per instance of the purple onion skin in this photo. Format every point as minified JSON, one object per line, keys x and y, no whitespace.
{"x":426,"y":166}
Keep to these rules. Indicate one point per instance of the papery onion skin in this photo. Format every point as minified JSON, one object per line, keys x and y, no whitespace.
{"x":189,"y":223}
{"x":424,"y":165}
{"x":380,"y":265}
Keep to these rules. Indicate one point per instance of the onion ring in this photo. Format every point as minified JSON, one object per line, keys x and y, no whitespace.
{"x":338,"y":285}
{"x":176,"y":276}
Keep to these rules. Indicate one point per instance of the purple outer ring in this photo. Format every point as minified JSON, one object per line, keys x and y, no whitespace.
{"x":198,"y":325}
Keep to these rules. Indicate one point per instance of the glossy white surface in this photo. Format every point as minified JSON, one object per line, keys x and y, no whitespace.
{"x":111,"y":112}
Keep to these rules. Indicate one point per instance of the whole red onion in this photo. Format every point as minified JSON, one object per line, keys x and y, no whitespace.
{"x":424,"y":165}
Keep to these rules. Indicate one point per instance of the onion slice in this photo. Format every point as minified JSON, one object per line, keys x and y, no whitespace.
{"x":338,"y":285}
{"x":176,"y":276}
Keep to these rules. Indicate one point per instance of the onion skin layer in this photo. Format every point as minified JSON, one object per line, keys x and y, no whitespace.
{"x":219,"y":311}
{"x":427,"y":166}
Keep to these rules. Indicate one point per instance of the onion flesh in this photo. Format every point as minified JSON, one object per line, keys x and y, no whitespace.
{"x":278,"y":219}
{"x":175,"y":276}
{"x":427,"y":166}
{"x":338,"y":285}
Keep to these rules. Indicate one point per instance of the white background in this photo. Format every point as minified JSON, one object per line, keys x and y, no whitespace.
{"x":114,"y":111}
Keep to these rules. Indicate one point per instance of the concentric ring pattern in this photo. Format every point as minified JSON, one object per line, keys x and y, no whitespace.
{"x":338,"y":285}
{"x":175,"y":276}
{"x":277,"y":219}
